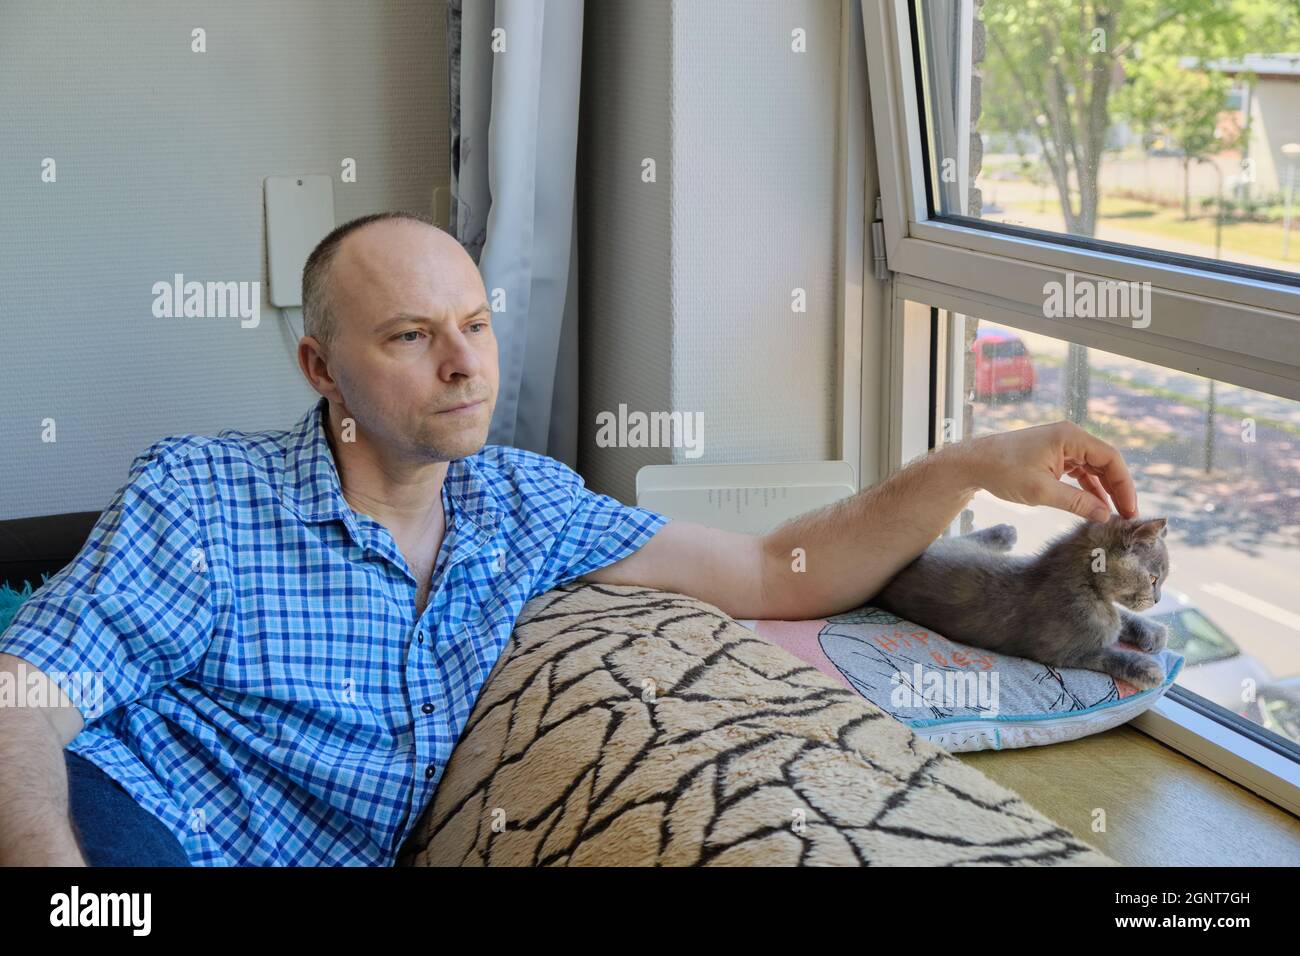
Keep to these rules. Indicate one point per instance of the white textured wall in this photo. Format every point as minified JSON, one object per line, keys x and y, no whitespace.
{"x":1275,"y":122}
{"x":161,"y":154}
{"x":687,"y":283}
{"x":624,"y":237}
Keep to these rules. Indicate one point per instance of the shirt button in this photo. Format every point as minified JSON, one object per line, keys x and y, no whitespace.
{"x":430,"y":770}
{"x":422,"y":637}
{"x":427,"y":708}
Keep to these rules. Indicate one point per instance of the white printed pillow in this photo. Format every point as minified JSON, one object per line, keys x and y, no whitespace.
{"x":959,"y":697}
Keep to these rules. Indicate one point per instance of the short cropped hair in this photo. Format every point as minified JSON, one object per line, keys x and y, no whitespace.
{"x":318,"y":318}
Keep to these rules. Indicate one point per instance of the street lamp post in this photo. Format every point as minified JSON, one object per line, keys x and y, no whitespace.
{"x":1218,"y":216}
{"x":1292,"y":152}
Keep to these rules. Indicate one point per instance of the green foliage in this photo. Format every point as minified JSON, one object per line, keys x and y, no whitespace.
{"x":1056,"y":69}
{"x":1178,"y":103}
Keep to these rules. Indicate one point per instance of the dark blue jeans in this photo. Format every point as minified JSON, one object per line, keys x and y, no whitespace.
{"x":111,"y":827}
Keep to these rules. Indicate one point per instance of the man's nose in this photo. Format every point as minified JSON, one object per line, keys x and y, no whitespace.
{"x":459,"y":355}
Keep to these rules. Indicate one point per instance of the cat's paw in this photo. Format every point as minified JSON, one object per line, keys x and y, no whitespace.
{"x":1145,"y":673}
{"x":999,"y":537}
{"x":1153,"y":638}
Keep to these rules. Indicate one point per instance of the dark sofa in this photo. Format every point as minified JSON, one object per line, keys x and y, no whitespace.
{"x":30,"y":547}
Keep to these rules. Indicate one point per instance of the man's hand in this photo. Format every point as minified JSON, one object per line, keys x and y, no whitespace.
{"x":1025,"y":466}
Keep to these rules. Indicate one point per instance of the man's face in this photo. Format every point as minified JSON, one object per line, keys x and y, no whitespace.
{"x":414,"y":339}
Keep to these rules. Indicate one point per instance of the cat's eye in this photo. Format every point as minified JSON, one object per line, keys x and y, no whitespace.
{"x":1154,"y":579}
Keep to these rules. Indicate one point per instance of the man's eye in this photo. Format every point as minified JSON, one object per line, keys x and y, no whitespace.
{"x":482,"y":324}
{"x":403,"y":336}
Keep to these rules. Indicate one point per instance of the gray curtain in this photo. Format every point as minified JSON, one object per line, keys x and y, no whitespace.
{"x":514,"y":118}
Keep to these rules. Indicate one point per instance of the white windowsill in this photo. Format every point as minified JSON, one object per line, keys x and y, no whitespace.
{"x":1268,"y":773}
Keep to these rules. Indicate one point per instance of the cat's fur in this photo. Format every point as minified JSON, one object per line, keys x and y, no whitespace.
{"x":1052,"y":607}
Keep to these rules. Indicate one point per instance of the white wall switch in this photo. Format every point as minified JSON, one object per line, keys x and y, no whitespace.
{"x":299,"y":214}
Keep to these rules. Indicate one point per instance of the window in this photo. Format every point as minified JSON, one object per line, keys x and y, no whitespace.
{"x":1055,"y":262}
{"x":1221,"y":463}
{"x":1003,"y":350}
{"x":1199,"y":641}
{"x":1121,"y":123}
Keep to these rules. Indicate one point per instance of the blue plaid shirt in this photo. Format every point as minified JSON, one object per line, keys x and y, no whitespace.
{"x":268,"y":691}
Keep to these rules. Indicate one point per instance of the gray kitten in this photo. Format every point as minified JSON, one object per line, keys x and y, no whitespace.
{"x":1056,"y":607}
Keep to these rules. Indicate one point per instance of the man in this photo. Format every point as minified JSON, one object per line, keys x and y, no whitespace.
{"x":293,"y":626}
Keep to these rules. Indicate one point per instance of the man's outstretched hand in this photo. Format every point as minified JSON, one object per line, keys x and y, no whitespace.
{"x":1026,"y":466}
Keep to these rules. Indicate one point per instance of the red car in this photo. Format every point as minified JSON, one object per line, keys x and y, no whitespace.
{"x":1002,"y":364}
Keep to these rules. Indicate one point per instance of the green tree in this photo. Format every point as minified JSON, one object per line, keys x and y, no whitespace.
{"x":1054,"y":65}
{"x":1181,"y":103}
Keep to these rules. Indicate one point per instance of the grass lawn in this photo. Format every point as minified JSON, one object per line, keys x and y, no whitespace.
{"x":1251,"y":238}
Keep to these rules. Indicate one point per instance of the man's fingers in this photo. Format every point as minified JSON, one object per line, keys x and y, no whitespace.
{"x":1057,"y":494}
{"x":1090,"y":484}
{"x":1104,"y":461}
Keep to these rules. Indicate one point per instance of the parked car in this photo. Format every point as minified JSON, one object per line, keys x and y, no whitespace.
{"x":1002,"y":364}
{"x":1276,"y":707}
{"x":1162,"y":146}
{"x":1214,"y":665}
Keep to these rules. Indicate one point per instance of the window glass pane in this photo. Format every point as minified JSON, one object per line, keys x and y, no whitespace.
{"x":1170,"y":128}
{"x":1196,"y":638}
{"x":1222,"y":463}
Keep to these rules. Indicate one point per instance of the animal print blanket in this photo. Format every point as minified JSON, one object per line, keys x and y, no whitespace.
{"x":624,"y":726}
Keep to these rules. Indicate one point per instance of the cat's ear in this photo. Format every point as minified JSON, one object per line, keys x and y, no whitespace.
{"x":1147,"y":531}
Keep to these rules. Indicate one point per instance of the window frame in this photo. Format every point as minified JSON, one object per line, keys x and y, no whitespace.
{"x":1220,"y":747}
{"x":1230,"y":327}
{"x":1235,"y":325}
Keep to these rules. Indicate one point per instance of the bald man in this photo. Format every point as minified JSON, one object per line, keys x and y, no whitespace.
{"x":292,"y":627}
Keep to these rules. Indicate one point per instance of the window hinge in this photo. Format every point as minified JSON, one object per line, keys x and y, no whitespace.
{"x":879,"y":264}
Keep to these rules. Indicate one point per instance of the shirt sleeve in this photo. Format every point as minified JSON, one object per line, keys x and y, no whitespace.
{"x":134,"y":610}
{"x":598,"y":531}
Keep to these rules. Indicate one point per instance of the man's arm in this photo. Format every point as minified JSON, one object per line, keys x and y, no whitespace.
{"x":838,"y":557}
{"x":133,"y":611}
{"x":34,"y":826}
{"x":724,"y":568}
{"x":820,"y":563}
